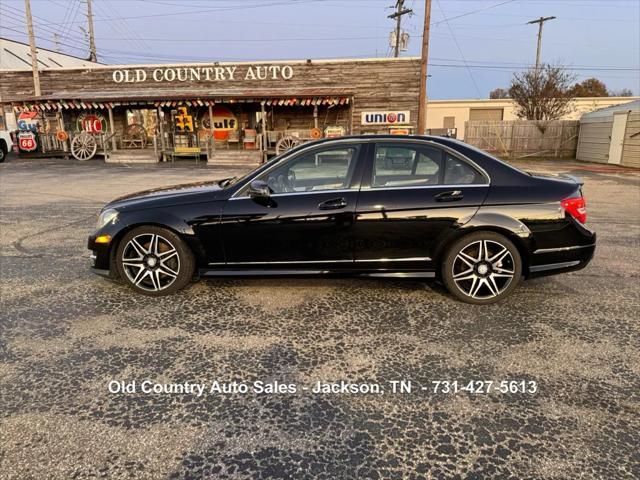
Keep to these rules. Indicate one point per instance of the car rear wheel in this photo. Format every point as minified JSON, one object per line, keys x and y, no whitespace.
{"x":482,"y":268}
{"x":3,"y":152}
{"x":154,"y":261}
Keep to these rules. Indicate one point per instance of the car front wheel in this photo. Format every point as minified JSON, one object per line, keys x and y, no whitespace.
{"x":482,"y":268}
{"x":154,"y":261}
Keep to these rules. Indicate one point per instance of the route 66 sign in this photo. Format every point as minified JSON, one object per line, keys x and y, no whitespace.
{"x":27,"y":141}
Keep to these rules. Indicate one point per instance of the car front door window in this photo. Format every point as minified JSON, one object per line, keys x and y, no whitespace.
{"x":320,"y":170}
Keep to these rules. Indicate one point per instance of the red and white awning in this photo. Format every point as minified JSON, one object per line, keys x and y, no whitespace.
{"x":61,"y":105}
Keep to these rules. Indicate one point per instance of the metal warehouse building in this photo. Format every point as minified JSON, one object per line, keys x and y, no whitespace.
{"x":611,"y":135}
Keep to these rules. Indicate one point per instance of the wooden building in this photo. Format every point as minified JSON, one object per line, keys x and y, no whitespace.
{"x":232,"y":113}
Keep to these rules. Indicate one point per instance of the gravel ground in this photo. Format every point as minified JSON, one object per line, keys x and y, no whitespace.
{"x":65,"y":334}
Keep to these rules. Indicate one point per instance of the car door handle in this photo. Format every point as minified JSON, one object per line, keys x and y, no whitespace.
{"x":333,"y":204}
{"x":450,"y":196}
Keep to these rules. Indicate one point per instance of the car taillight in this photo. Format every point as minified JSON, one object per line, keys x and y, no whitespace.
{"x":576,"y":207}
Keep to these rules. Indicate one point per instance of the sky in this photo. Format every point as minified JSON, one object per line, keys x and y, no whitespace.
{"x":475,"y":45}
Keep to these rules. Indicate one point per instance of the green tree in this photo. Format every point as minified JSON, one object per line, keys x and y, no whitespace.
{"x":591,"y":87}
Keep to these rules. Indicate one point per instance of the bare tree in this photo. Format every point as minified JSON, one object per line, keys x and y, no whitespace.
{"x":499,"y":93}
{"x":625,"y":92}
{"x":542,"y":93}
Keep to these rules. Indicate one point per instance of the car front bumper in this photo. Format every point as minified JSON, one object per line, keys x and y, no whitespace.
{"x":99,"y":257}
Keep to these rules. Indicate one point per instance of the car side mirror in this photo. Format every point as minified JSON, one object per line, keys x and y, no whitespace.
{"x":259,"y":190}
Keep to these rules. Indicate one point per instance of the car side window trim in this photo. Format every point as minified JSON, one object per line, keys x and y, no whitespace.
{"x":419,"y":187}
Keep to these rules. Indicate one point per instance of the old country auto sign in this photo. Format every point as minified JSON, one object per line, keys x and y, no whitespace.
{"x":393,"y":117}
{"x":204,"y":74}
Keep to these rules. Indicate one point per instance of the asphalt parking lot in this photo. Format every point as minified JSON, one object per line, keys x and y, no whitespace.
{"x":66,"y":334}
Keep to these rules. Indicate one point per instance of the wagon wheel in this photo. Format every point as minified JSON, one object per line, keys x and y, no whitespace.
{"x":135,"y":131}
{"x":83,"y":146}
{"x":285,"y":144}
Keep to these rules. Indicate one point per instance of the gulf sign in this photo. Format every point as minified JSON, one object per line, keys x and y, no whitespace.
{"x":392,"y":117}
{"x":224,"y":119}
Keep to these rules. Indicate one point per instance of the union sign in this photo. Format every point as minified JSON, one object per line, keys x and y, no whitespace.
{"x":393,"y":117}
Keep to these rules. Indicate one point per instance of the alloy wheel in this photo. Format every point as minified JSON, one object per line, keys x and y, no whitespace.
{"x":483,"y":269}
{"x":151,"y":262}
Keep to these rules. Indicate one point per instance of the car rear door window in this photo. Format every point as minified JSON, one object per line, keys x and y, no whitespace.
{"x":400,"y":166}
{"x":458,"y":172}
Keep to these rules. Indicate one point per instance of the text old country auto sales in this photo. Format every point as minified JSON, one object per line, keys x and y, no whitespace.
{"x":196,"y":74}
{"x":216,"y":387}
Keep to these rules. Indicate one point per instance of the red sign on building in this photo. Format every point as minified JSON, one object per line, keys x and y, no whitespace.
{"x":27,"y":141}
{"x":91,"y":122}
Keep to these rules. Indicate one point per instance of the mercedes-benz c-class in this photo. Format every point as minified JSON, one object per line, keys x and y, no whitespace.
{"x":383,"y":206}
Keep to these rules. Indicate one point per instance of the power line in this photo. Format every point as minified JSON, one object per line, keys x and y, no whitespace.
{"x":455,"y":40}
{"x":121,"y":28}
{"x":510,"y":66}
{"x":67,"y":33}
{"x":210,"y":10}
{"x":20,"y":19}
{"x":448,"y":19}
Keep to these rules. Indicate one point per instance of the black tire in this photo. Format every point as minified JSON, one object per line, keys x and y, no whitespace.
{"x":3,"y":152}
{"x":160,"y":263}
{"x":482,"y":268}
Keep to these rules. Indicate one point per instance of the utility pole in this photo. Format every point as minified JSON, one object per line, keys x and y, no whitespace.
{"x":422,"y":99}
{"x":540,"y":23}
{"x":400,"y":11}
{"x":93,"y":56}
{"x":56,"y":41}
{"x":32,"y":44}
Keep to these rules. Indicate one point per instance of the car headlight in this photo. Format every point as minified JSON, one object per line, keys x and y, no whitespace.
{"x":108,"y":216}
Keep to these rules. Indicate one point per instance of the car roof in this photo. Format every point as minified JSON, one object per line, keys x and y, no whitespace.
{"x":386,"y":136}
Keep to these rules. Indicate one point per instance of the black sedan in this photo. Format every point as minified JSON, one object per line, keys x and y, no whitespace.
{"x":383,"y":206}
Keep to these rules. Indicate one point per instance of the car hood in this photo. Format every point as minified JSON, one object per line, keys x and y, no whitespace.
{"x":172,"y":195}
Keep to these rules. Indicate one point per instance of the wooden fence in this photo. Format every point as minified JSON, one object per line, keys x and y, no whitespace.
{"x":524,"y":138}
